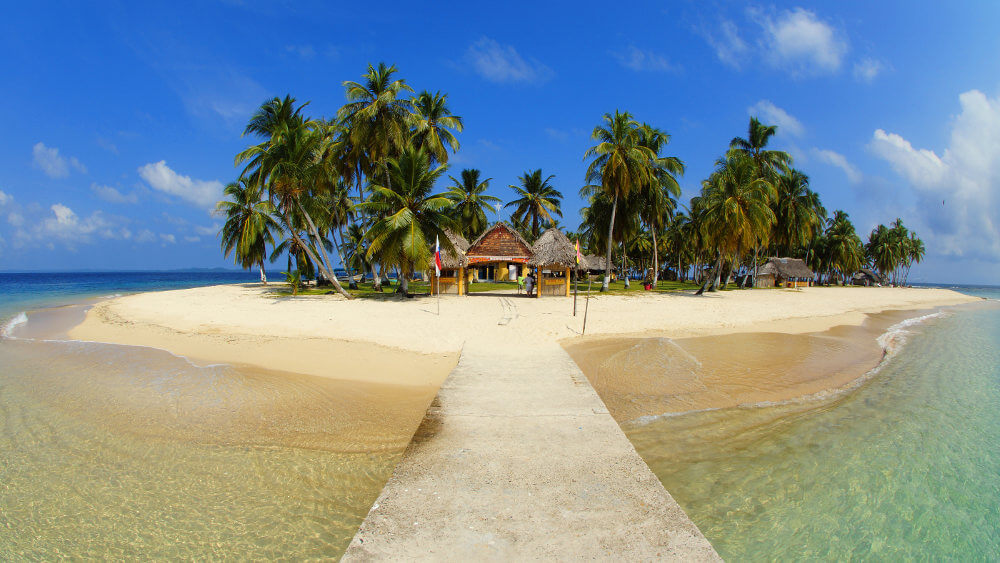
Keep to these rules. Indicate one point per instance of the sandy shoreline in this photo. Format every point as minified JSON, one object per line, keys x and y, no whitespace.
{"x":332,"y":337}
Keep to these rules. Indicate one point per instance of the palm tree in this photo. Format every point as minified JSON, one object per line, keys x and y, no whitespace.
{"x":538,"y":200}
{"x":411,"y":217}
{"x":737,"y":210}
{"x":431,"y":123}
{"x":658,"y":195}
{"x":249,"y":226}
{"x":843,"y":245}
{"x":378,"y":121}
{"x":470,"y":203}
{"x":620,"y":164}
{"x":798,"y":211}
{"x":287,"y":164}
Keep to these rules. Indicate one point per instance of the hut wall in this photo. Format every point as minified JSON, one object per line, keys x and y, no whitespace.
{"x":765,"y":280}
{"x":450,"y":283}
{"x":554,"y":286}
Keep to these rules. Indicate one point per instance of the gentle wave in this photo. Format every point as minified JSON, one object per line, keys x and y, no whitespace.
{"x":891,"y":341}
{"x":16,"y":321}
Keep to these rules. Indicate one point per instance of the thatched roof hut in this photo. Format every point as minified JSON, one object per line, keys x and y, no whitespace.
{"x":553,"y":248}
{"x":786,"y":268}
{"x":454,"y":260}
{"x":499,"y":243}
{"x":865,"y":276}
{"x":593,"y":262}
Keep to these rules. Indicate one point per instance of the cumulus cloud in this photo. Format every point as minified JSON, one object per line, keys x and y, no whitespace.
{"x":145,"y":235}
{"x":958,"y":189}
{"x":168,"y":239}
{"x":4,"y":198}
{"x":771,"y":114}
{"x":53,"y":164}
{"x":109,"y":194}
{"x":502,"y":63}
{"x":728,"y":45}
{"x":644,"y":60}
{"x":160,"y":177}
{"x":209,"y":230}
{"x":840,"y":161}
{"x":64,"y":226}
{"x":797,"y":40}
{"x":867,"y":69}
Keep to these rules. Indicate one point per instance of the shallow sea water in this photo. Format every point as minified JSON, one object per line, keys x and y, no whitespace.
{"x":907,"y":466}
{"x":113,"y":452}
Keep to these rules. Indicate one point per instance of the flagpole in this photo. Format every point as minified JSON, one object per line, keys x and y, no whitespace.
{"x":439,"y":294}
{"x":586,"y":308}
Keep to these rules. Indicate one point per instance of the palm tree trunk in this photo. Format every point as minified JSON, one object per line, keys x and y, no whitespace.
{"x":753,"y":278}
{"x":711,"y":277}
{"x":312,"y":256}
{"x":607,"y":255}
{"x":263,"y":276}
{"x":717,"y":273}
{"x":350,"y":269}
{"x":625,"y":275}
{"x":340,"y":254}
{"x":314,"y":233}
{"x":656,"y":262}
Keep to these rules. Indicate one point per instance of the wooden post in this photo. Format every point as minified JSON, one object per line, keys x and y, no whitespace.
{"x":576,"y":287}
{"x":567,"y":282}
{"x":586,"y":307}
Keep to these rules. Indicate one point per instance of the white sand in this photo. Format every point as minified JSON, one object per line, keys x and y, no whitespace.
{"x":249,"y":313}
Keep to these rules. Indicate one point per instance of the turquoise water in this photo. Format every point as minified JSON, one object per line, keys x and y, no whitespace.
{"x":906,"y":467}
{"x":116,"y":452}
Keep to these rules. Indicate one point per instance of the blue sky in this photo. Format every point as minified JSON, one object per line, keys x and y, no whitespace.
{"x":123,"y":118}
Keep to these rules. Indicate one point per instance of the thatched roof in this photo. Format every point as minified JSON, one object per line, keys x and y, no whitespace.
{"x":786,"y":268}
{"x":453,"y":260}
{"x":593,"y":262}
{"x":553,"y":248}
{"x":502,"y":242}
{"x":867,"y":273}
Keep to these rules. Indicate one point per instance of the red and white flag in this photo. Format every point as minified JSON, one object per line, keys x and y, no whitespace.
{"x":437,"y":257}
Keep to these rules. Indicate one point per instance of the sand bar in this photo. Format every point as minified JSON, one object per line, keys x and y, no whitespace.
{"x":518,"y":457}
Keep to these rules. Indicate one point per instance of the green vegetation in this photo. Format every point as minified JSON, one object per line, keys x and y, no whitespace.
{"x":362,"y":187}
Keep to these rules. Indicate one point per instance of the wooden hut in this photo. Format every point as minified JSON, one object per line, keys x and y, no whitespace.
{"x":453,"y":264}
{"x":499,"y":254}
{"x":784,"y":272}
{"x":867,"y":277}
{"x":554,"y":256}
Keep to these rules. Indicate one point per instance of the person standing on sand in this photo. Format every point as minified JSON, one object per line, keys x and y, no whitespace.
{"x":529,"y":284}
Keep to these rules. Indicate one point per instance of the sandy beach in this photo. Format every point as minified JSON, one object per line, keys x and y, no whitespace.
{"x":404,"y":341}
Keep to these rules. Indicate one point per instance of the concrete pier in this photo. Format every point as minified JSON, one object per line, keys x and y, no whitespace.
{"x":518,"y":458}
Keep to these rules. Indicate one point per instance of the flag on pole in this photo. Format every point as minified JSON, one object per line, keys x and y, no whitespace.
{"x":578,"y":252}
{"x":437,"y":257}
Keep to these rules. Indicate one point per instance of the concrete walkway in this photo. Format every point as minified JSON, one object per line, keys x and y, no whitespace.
{"x":518,"y":458}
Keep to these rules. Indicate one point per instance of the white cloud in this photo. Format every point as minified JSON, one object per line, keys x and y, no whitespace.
{"x":502,"y":63}
{"x":15,"y":219}
{"x":640,"y":59}
{"x":168,"y":239}
{"x":771,"y":114}
{"x":65,"y":226}
{"x":867,"y":69}
{"x":728,"y":45}
{"x":160,"y":177}
{"x":53,"y":164}
{"x":4,"y":198}
{"x":145,"y":235}
{"x":206,"y":231}
{"x":958,"y":191}
{"x":109,"y":194}
{"x":799,"y":41}
{"x":192,"y":239}
{"x":840,"y":161}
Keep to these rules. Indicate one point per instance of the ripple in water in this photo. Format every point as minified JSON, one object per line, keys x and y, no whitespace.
{"x":116,"y":452}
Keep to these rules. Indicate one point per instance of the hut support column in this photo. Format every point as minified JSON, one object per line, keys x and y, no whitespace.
{"x":567,"y":282}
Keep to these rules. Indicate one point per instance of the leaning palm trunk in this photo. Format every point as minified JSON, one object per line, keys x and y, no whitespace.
{"x":324,"y":266}
{"x":711,"y":277}
{"x":312,"y":256}
{"x":263,"y":276}
{"x":607,"y":256}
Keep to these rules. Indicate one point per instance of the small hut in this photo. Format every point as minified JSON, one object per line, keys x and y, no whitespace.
{"x":499,"y":254}
{"x":784,"y":272}
{"x":453,"y":264}
{"x":554,"y":256}
{"x":593,"y":264}
{"x":866,"y":277}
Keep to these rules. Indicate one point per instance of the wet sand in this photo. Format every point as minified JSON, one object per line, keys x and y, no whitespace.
{"x":647,"y":377}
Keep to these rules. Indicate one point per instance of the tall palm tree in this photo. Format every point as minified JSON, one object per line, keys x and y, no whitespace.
{"x":287,"y":164}
{"x":799,"y":213}
{"x":378,"y":120}
{"x":658,"y":195}
{"x":432,"y":121}
{"x":249,"y":226}
{"x":620,"y":164}
{"x":411,"y":216}
{"x":470,"y":202}
{"x":737,"y":210}
{"x":843,"y":245}
{"x":538,"y":200}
